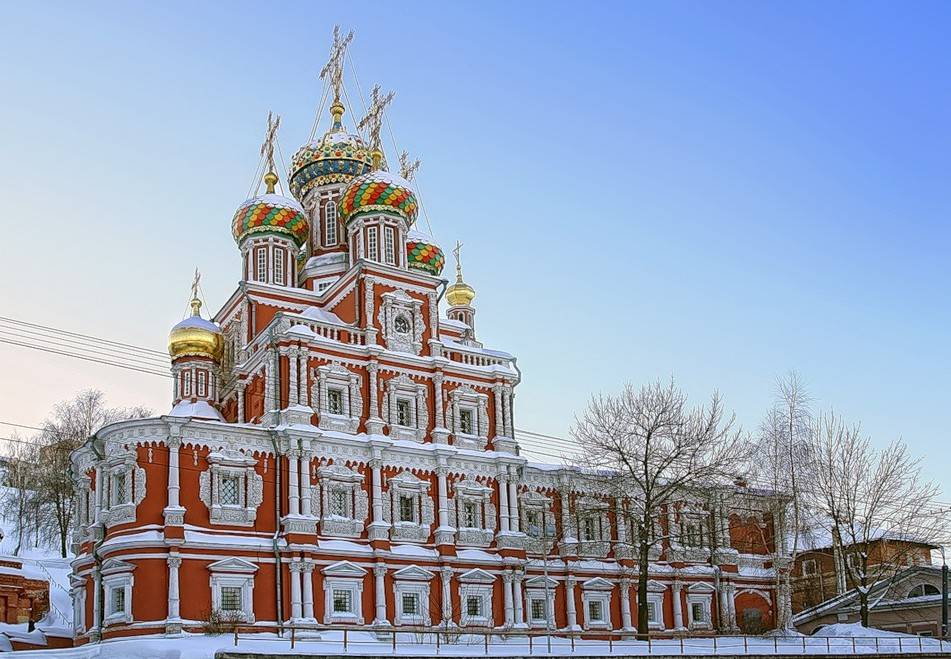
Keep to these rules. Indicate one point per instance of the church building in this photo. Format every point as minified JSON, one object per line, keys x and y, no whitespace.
{"x":340,"y":449}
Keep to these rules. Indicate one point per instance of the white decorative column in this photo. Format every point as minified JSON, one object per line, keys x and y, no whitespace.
{"x":378,"y":527}
{"x":303,"y":358}
{"x":497,"y":393}
{"x":446,"y":573}
{"x":445,"y":533}
{"x":503,"y":502}
{"x":379,"y":580}
{"x":731,"y":605}
{"x":305,"y":487}
{"x":173,"y":624}
{"x":513,"y":500}
{"x":570,"y":603}
{"x":517,"y":596}
{"x":240,"y":402}
{"x":678,"y":606}
{"x":308,"y":576}
{"x":95,"y":633}
{"x":440,"y":432}
{"x":507,"y":593}
{"x":509,"y":407}
{"x":374,"y":422}
{"x":293,"y":486}
{"x":625,"y":585}
{"x":174,"y":514}
{"x":294,"y":567}
{"x":293,"y":385}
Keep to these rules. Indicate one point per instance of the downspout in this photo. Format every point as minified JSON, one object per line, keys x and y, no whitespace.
{"x":100,"y":593}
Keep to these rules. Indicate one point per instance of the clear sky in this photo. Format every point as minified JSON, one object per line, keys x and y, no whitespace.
{"x":715,"y":191}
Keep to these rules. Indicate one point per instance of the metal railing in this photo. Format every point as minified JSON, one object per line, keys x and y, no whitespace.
{"x":525,"y":642}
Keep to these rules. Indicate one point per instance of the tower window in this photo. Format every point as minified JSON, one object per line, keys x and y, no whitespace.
{"x":465,"y":422}
{"x":201,"y":384}
{"x":187,"y":384}
{"x":389,"y":240}
{"x":330,"y":220}
{"x":261,"y":271}
{"x":279,"y":266}
{"x":373,"y":246}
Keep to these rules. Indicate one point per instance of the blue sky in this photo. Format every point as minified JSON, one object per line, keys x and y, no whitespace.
{"x":718,"y":192}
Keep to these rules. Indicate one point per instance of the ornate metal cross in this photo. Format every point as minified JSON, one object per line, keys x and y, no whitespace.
{"x":270,"y":137}
{"x":407,"y":168}
{"x":373,"y":121}
{"x":333,"y":69}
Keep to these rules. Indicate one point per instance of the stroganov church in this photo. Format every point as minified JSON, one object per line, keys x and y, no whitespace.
{"x":340,"y":449}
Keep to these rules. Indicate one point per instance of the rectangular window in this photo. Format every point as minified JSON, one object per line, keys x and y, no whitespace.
{"x":534,"y":524}
{"x":589,"y":530}
{"x":335,"y":401}
{"x":652,"y":612}
{"x":595,"y":611}
{"x":407,"y":509}
{"x":389,"y":240}
{"x":201,"y":384}
{"x":117,"y":596}
{"x":231,"y":598}
{"x":119,"y":494}
{"x":410,"y":604}
{"x":538,"y":610}
{"x":338,"y":503}
{"x":330,"y":220}
{"x":186,"y":384}
{"x":373,"y":246}
{"x":342,"y":601}
{"x":474,"y":606}
{"x":229,"y":492}
{"x":402,"y":413}
{"x":470,"y":515}
{"x":809,"y":567}
{"x":260,"y":273}
{"x":696,"y":609}
{"x":465,"y":422}
{"x":279,"y":266}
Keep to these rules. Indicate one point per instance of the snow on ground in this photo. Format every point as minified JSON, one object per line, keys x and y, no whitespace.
{"x":855,"y":641}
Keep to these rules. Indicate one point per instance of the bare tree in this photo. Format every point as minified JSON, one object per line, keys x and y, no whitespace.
{"x":19,"y":494}
{"x":650,"y":448}
{"x":783,"y":461}
{"x":71,"y":423}
{"x":871,"y":500}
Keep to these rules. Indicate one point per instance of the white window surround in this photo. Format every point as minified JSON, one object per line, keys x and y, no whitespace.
{"x":342,"y":481}
{"x":701,"y":594}
{"x":534,"y":504}
{"x":389,"y":245}
{"x":592,"y":513}
{"x":125,"y":487}
{"x":400,"y":304}
{"x":373,"y":243}
{"x":336,"y":376}
{"x":655,"y":596}
{"x":408,"y":485}
{"x":234,"y":464}
{"x":344,"y":575}
{"x":467,"y":398}
{"x":78,"y":592}
{"x":280,"y":259}
{"x":234,"y":573}
{"x":402,"y":387}
{"x":597,"y":590}
{"x":476,"y":583}
{"x":413,"y":580}
{"x":117,"y":574}
{"x":330,"y":223}
{"x":260,"y":273}
{"x":469,"y":491}
{"x":535,"y":590}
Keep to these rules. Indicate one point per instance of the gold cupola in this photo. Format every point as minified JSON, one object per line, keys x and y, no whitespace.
{"x":195,"y":337}
{"x":459,"y":294}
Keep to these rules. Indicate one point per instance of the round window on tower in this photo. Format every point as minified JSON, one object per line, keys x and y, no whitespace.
{"x":401,"y":325}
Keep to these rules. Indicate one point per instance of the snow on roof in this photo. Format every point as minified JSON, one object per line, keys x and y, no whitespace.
{"x":477,"y":555}
{"x":455,"y":345}
{"x":199,"y":410}
{"x":344,"y":545}
{"x":277,"y":200}
{"x":302,"y":330}
{"x":316,"y":313}
{"x":197,"y":322}
{"x":451,"y":322}
{"x":326,"y":259}
{"x":413,"y":550}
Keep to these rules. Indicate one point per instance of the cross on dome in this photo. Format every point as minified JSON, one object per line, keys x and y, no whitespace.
{"x":267,"y":150}
{"x":372,"y":122}
{"x":407,"y":168}
{"x":333,"y":69}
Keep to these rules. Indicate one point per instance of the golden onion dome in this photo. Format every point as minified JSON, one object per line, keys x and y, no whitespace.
{"x":195,"y":337}
{"x":460,"y":294}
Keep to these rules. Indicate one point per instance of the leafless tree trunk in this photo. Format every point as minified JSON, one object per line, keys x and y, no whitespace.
{"x":19,"y":496}
{"x":783,"y":461}
{"x":649,"y":448}
{"x":872,"y":497}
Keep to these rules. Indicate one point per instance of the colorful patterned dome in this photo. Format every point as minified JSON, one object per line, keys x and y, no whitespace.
{"x":271,"y":213}
{"x":337,"y":157}
{"x":423,"y":254}
{"x":379,"y":191}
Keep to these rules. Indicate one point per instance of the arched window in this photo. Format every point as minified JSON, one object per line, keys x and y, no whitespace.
{"x":330,"y":221}
{"x":923,"y":589}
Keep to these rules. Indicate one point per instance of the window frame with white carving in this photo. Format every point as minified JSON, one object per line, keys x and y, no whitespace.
{"x":465,"y":399}
{"x":468,"y":492}
{"x":233,"y":573}
{"x":231,"y":464}
{"x":333,"y":480}
{"x":405,"y":484}
{"x":594,"y":511}
{"x":336,"y":377}
{"x":120,"y":507}
{"x":402,"y":388}
{"x":532,"y":502}
{"x":117,"y":577}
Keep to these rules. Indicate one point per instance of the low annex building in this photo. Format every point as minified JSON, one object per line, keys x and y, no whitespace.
{"x":341,"y":451}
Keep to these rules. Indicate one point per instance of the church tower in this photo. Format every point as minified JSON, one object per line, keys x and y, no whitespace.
{"x":195,"y":346}
{"x":460,"y":295}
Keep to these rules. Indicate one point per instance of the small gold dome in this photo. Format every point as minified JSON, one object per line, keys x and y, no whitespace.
{"x":460,"y":294}
{"x":195,"y":337}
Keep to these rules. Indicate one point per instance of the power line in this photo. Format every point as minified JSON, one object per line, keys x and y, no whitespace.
{"x":69,"y":343}
{"x":84,"y":336}
{"x":83,"y":357}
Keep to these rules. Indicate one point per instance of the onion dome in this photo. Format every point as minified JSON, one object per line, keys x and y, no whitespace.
{"x":195,"y":337}
{"x":379,"y":191}
{"x":423,"y":254}
{"x":271,"y":213}
{"x":459,"y":293}
{"x":336,"y":157}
